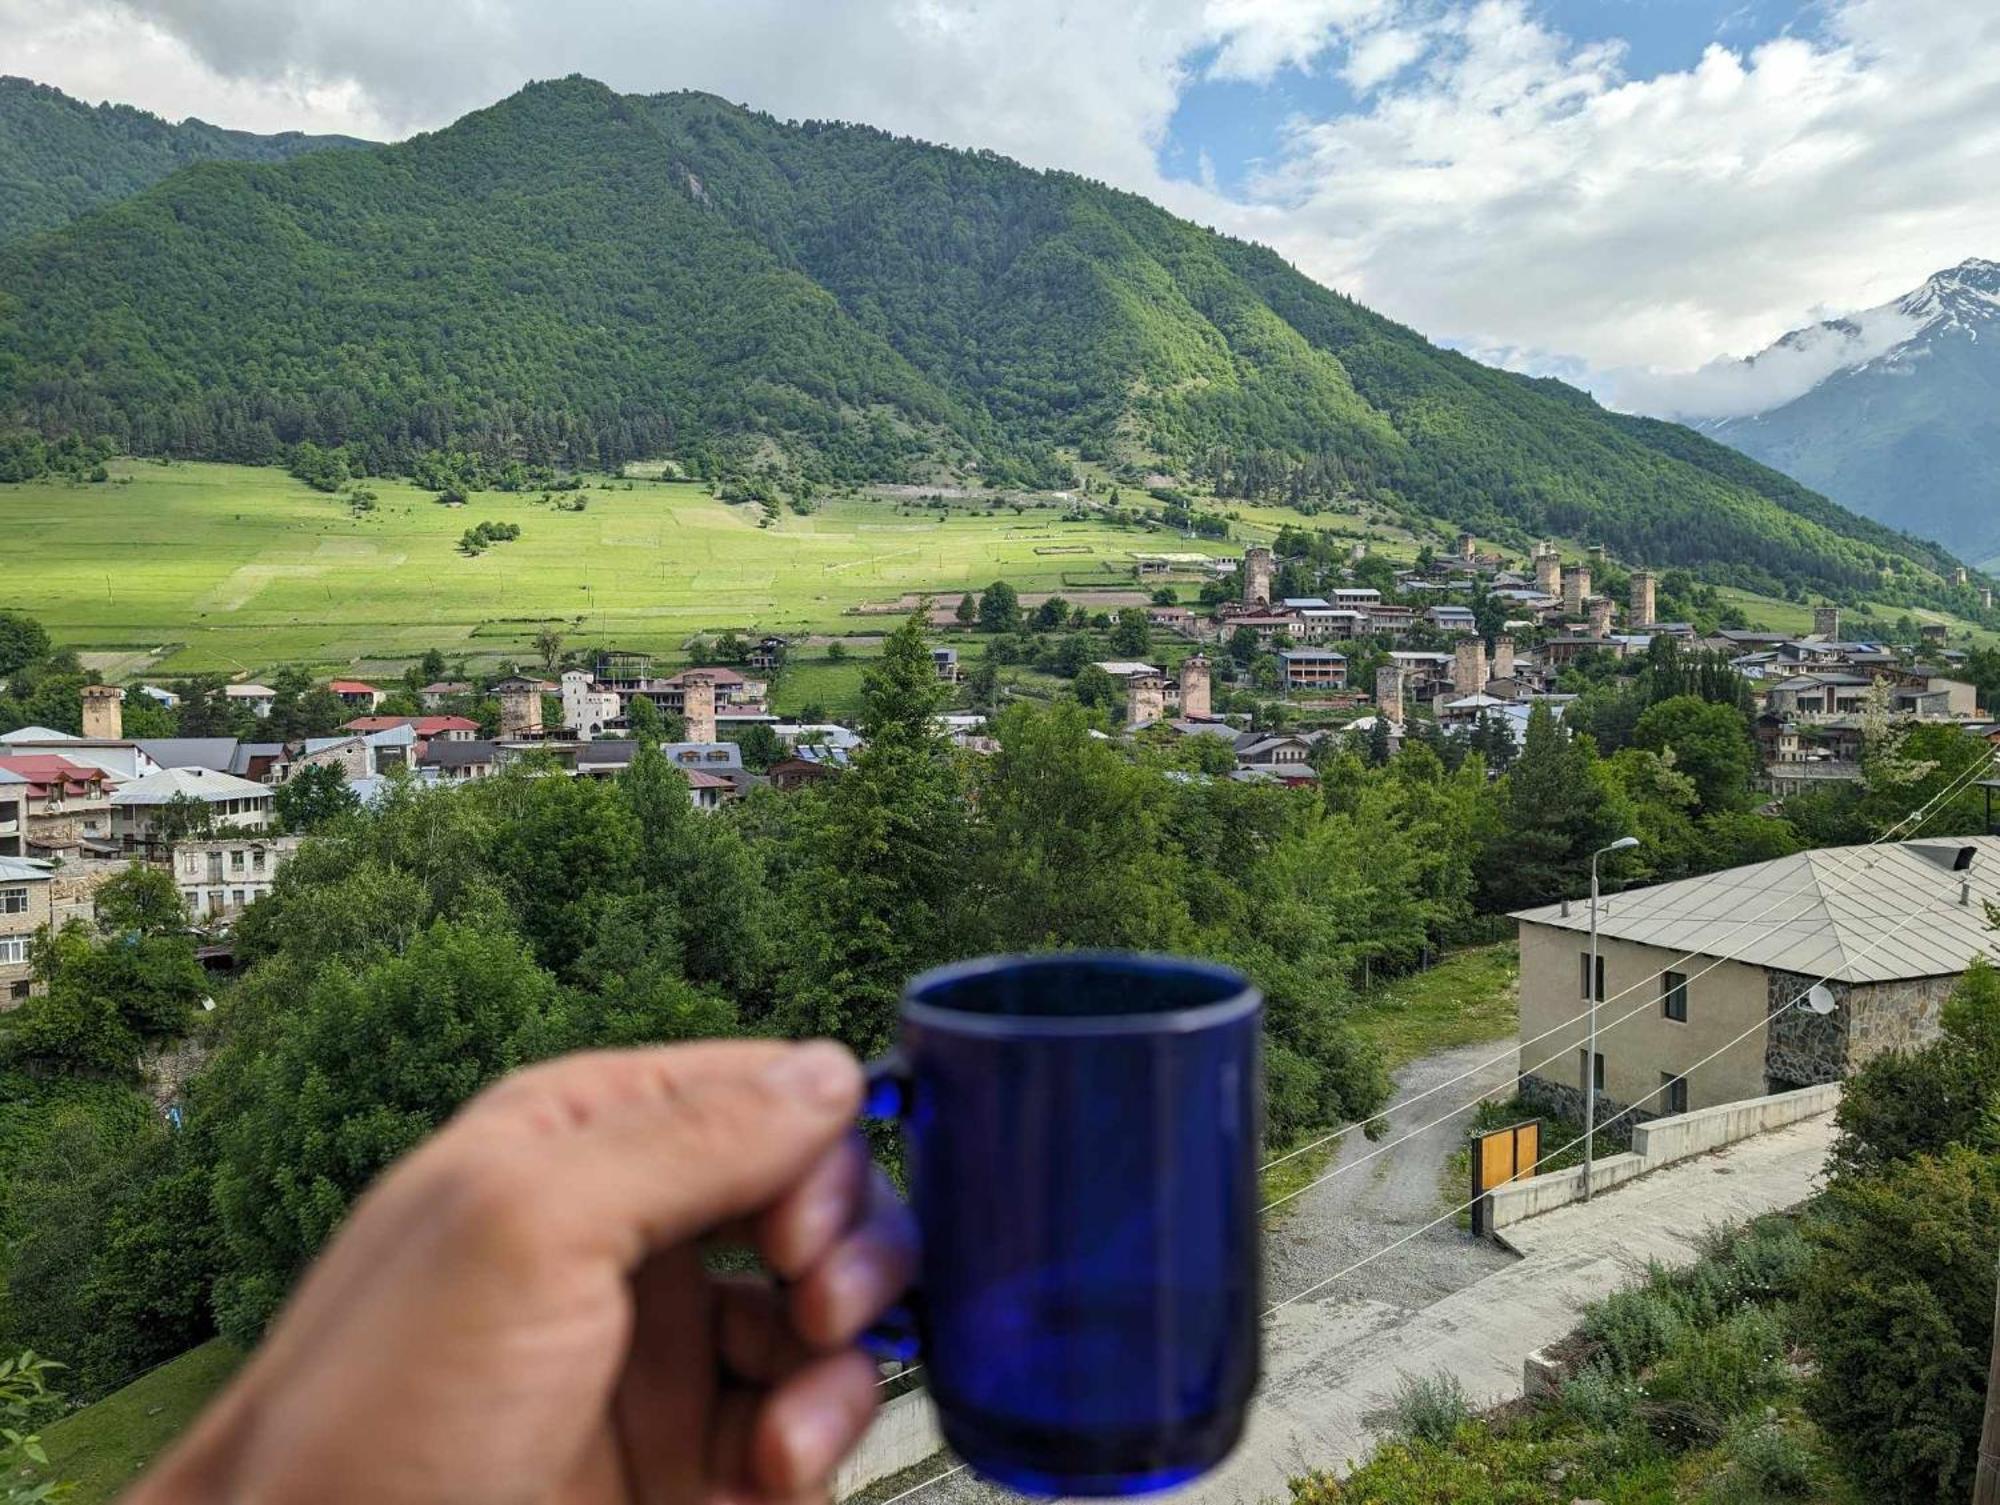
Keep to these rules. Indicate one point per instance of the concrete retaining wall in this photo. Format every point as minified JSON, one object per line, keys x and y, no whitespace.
{"x":905,"y":1433}
{"x":1659,"y":1143}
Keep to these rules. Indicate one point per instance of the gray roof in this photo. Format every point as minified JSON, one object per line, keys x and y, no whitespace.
{"x":439,"y":753}
{"x":1853,"y":914}
{"x":218,"y":753}
{"x":14,"y":870}
{"x":193,"y":783}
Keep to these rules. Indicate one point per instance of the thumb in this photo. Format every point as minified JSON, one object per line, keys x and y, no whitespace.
{"x":635,"y":1151}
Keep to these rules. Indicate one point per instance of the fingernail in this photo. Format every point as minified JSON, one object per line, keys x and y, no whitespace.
{"x":818,"y":1073}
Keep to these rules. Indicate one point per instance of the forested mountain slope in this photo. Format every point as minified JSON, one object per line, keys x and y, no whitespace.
{"x":577,"y":276}
{"x":60,"y":157}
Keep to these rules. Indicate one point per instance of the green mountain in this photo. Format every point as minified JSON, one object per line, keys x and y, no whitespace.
{"x":580,"y":277}
{"x":60,"y":157}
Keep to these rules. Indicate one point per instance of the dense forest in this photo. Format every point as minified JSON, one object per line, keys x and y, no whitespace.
{"x":60,"y":157}
{"x":577,"y":278}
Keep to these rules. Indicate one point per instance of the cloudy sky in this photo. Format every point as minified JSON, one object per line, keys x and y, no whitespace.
{"x":1621,"y":192}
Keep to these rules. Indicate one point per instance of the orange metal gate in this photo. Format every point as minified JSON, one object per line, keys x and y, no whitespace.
{"x":1500,"y":1156}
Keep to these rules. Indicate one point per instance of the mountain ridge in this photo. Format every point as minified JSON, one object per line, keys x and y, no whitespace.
{"x":585,"y":277}
{"x":60,"y":157}
{"x":1905,"y":430}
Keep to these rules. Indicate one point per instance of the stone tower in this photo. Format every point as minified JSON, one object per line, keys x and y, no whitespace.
{"x":1596,"y":553}
{"x":1548,"y":572}
{"x":520,"y":707}
{"x":1468,"y":666}
{"x":1356,"y":552}
{"x":1576,"y":589}
{"x":103,"y":713}
{"x":1145,"y":699}
{"x":1503,"y":657}
{"x":1826,"y":623}
{"x":1644,"y":607}
{"x":1194,"y":688}
{"x":1466,"y":550}
{"x":1389,"y":693}
{"x":698,"y":705}
{"x":1600,"y":616}
{"x":1258,"y":565}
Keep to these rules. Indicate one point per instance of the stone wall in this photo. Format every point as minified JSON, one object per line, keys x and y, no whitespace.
{"x":1804,"y":1049}
{"x":1565,"y":1100}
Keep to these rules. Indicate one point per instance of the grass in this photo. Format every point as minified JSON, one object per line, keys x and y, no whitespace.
{"x":1469,"y":996}
{"x":105,"y":1446}
{"x":193,"y":567}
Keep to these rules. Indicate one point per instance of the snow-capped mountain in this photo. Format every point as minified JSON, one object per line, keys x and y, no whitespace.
{"x":1904,"y":424}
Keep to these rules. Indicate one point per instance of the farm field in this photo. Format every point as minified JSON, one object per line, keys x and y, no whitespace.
{"x":196,"y":567}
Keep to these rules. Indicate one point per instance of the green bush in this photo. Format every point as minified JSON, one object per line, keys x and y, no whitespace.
{"x":1600,"y":1399}
{"x":1726,"y":1368}
{"x":1767,"y":1461}
{"x":1635,"y":1326}
{"x":1430,"y":1409}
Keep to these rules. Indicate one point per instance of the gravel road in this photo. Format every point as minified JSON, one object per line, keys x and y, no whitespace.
{"x":1338,"y":1221}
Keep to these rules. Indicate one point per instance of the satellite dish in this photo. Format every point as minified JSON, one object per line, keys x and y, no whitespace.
{"x":1819,"y":999}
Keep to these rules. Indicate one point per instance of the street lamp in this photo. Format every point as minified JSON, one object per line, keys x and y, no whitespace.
{"x":1590,"y":987}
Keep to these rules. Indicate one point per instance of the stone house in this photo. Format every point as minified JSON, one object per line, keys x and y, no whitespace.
{"x":1684,"y":968}
{"x":68,"y":804}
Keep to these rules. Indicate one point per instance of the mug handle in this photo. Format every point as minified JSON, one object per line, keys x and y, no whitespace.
{"x":896,"y":1334}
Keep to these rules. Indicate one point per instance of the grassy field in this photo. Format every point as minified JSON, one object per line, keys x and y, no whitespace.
{"x":1469,"y":996}
{"x":102,"y":1448}
{"x":190,"y":567}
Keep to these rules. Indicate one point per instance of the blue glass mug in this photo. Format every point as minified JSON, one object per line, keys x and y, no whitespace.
{"x":1082,"y":1133}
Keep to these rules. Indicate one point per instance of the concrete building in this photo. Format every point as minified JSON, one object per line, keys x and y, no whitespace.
{"x":1468,"y":666}
{"x":1575,"y":589}
{"x":1681,"y":974}
{"x":1452,"y":618}
{"x":945,"y":662}
{"x":1389,"y":693}
{"x":1312,"y":669}
{"x":460,"y":762}
{"x":1145,"y":699}
{"x":25,"y":890}
{"x":138,"y":808}
{"x":435,"y":695}
{"x":13,"y":815}
{"x":1363,"y":598}
{"x":1644,"y":602}
{"x":1196,"y":681}
{"x":220,"y":878}
{"x":103,"y":713}
{"x":258,"y":698}
{"x":1258,"y":568}
{"x":698,"y":705}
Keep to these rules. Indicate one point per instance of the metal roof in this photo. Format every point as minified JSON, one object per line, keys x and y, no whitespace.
{"x":15,"y":870}
{"x":1852,"y":914}
{"x":197,"y":783}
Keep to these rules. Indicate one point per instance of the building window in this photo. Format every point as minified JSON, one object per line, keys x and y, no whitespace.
{"x":13,"y":901}
{"x":19,"y":991}
{"x":257,"y":860}
{"x":1674,"y":996}
{"x":236,"y":861}
{"x":1583,"y":976}
{"x":1673,"y":1093}
{"x":236,"y":898}
{"x":13,"y":950}
{"x":1596,"y":1069}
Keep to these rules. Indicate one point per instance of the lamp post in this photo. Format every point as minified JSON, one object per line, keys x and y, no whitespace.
{"x":1591,"y":988}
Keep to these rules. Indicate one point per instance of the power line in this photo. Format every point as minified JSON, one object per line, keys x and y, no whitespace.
{"x":1921,"y":814}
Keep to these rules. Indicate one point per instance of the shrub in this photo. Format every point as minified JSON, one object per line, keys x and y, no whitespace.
{"x":1726,"y":1368}
{"x":1430,"y":1409}
{"x":1600,"y":1399}
{"x":1636,"y":1325}
{"x":1767,"y":1461}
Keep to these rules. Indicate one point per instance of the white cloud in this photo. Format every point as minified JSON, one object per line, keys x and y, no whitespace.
{"x":1500,"y":186}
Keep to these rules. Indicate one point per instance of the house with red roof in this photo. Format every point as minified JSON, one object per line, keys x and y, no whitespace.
{"x":357,"y":693}
{"x":67,"y":803}
{"x":427,"y":728}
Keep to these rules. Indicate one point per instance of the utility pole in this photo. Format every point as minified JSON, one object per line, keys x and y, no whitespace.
{"x":1590,"y":986}
{"x":1986,"y":1482}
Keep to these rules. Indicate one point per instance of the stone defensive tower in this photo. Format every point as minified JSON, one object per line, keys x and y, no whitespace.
{"x":1644,"y":606}
{"x":1468,"y":666}
{"x":1195,"y":688}
{"x":698,"y":706}
{"x":520,"y":707}
{"x":1600,"y":616}
{"x":1826,"y":623}
{"x":103,"y":712}
{"x":1503,"y":657}
{"x":1389,"y":693}
{"x":1145,"y":699}
{"x":1576,"y":589}
{"x":1258,"y":566}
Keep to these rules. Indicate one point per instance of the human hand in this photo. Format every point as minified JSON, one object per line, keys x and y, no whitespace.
{"x":518,"y":1310}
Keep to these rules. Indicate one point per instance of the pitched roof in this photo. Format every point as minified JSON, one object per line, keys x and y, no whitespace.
{"x":43,"y":769}
{"x":37,"y":734}
{"x":423,"y":726}
{"x":1854,"y":914}
{"x":443,"y":754}
{"x":352,"y":687}
{"x":14,"y":870}
{"x":194,"y":783}
{"x":191,"y":752}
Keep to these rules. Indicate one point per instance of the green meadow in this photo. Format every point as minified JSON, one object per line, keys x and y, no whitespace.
{"x":195,"y":567}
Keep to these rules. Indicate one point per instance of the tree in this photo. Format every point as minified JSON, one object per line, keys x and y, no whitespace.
{"x":103,"y":1002}
{"x":142,"y":900}
{"x":1554,"y":807}
{"x":1133,"y":634}
{"x":1243,"y":645}
{"x":1094,"y":687}
{"x":184,"y":817}
{"x":1899,"y":1303}
{"x":548,"y":646}
{"x":967,"y":610}
{"x":880,"y":860}
{"x":836,"y":652}
{"x":999,"y":608}
{"x":313,"y":796}
{"x":370,"y":1061}
{"x":1378,"y":743}
{"x":761,"y":747}
{"x":1052,"y":613}
{"x":431,"y":668}
{"x":1709,"y":743}
{"x":23,"y":641}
